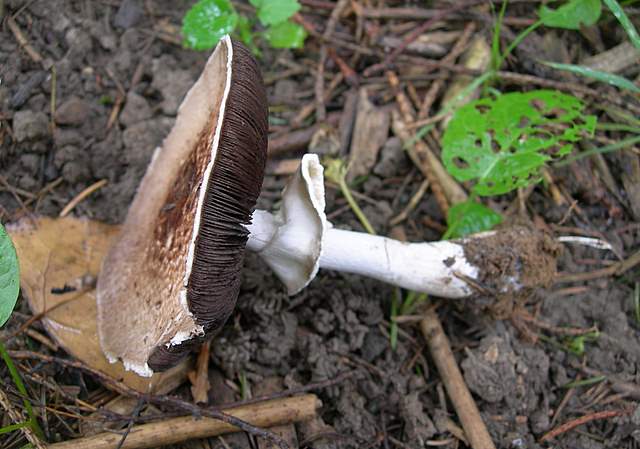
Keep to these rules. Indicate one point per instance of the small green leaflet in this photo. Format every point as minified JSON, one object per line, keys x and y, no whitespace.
{"x":572,"y":15}
{"x":207,"y":22}
{"x":286,"y":35}
{"x":9,"y":276}
{"x":272,"y":12}
{"x":502,"y":143}
{"x":470,"y":217}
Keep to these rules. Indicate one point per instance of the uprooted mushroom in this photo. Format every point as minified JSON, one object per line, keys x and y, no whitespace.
{"x":173,"y":276}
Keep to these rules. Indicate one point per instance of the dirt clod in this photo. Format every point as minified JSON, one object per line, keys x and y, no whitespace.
{"x":30,"y":125}
{"x":514,"y":260}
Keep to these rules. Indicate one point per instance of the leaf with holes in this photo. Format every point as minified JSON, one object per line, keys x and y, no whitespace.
{"x":501,"y":144}
{"x":9,"y":276}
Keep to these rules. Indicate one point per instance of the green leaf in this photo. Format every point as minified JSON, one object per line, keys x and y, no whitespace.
{"x":9,"y":276}
{"x":502,"y":143}
{"x":572,"y":15}
{"x":286,"y":35}
{"x":273,"y":12}
{"x":470,"y":217}
{"x":207,"y":22}
{"x":246,"y":34}
{"x":617,"y":11}
{"x":604,"y":77}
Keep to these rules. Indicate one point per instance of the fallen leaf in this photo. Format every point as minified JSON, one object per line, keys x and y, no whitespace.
{"x":59,"y":262}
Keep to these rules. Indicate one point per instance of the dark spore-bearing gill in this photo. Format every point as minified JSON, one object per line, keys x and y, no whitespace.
{"x":232,"y":191}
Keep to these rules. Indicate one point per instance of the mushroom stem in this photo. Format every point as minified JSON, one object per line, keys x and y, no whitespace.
{"x":433,"y":268}
{"x":299,"y":240}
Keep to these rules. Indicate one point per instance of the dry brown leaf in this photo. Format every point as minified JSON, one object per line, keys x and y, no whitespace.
{"x":59,"y":262}
{"x":370,"y":132}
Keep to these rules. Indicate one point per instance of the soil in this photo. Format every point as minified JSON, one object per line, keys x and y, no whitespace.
{"x":118,"y":82}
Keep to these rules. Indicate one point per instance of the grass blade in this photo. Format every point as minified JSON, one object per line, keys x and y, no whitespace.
{"x":13,"y":372}
{"x":12,"y":427}
{"x":605,"y":149}
{"x":617,"y":11}
{"x":597,"y":75}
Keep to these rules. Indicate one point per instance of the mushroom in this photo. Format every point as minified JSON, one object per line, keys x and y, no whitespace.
{"x":172,"y":278}
{"x":299,"y":240}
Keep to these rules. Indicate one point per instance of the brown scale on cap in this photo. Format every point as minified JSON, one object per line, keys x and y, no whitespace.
{"x":143,"y":277}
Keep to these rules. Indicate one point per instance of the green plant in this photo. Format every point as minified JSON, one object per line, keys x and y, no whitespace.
{"x":9,"y":288}
{"x":500,"y":144}
{"x":336,"y":171}
{"x":209,"y":20}
{"x":571,"y":16}
{"x":9,"y":276}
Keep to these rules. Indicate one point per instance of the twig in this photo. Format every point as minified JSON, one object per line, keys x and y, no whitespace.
{"x":413,"y":202}
{"x":81,"y":196}
{"x":414,"y":35}
{"x":466,"y":408}
{"x":24,"y":43}
{"x":582,"y":420}
{"x":175,"y":430}
{"x":616,"y":269}
{"x":127,"y":431}
{"x":18,"y":418}
{"x":451,"y":57}
{"x":445,"y":189}
{"x":321,"y":111}
{"x":166,"y":401}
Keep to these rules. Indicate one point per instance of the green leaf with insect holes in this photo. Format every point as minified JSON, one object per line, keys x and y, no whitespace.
{"x":500,"y":144}
{"x":207,"y":22}
{"x":286,"y":35}
{"x":470,"y":217}
{"x":572,"y":15}
{"x":9,"y":276}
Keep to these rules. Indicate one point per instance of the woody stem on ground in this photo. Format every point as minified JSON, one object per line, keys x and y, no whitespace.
{"x":466,"y":408}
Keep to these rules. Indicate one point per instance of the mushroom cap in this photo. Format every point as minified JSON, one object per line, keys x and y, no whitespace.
{"x":172,"y":278}
{"x":291,"y":242}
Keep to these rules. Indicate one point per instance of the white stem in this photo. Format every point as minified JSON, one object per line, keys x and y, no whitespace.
{"x":433,"y":268}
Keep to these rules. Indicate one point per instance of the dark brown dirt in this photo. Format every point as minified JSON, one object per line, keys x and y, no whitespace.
{"x":340,"y":322}
{"x":513,"y":259}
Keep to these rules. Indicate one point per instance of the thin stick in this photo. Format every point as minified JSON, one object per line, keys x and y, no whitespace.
{"x":413,"y":202}
{"x":321,"y":112}
{"x":176,"y":430}
{"x":458,"y":48}
{"x":24,"y":43}
{"x":166,"y":401}
{"x":81,"y":196}
{"x":466,"y":408}
{"x":18,"y":418}
{"x":582,"y":420}
{"x":414,"y":35}
{"x":614,"y":270}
